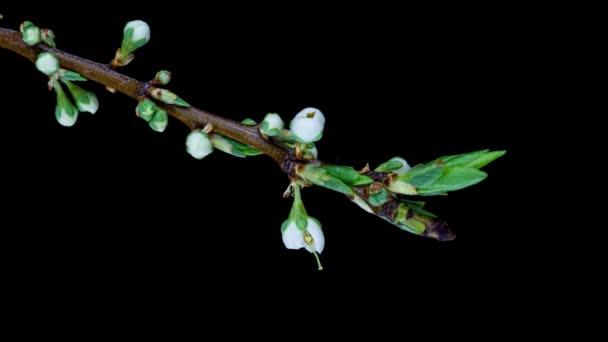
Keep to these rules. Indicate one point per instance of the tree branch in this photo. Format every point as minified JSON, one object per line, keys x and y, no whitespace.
{"x":193,"y":117}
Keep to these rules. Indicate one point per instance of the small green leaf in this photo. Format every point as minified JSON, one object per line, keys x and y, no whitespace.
{"x":180,"y":102}
{"x":69,"y":75}
{"x":476,"y":160}
{"x":417,"y":207}
{"x":232,"y":147}
{"x":379,"y":198}
{"x":320,"y":176}
{"x":249,"y":122}
{"x":347,"y":174}
{"x":337,"y":185}
{"x":389,"y":166}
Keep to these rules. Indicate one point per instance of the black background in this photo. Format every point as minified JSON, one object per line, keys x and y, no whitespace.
{"x":111,"y":202}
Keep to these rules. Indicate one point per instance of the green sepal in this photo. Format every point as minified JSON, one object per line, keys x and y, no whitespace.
{"x":284,"y":225}
{"x":128,"y":45}
{"x":269,"y":132}
{"x":286,"y":137}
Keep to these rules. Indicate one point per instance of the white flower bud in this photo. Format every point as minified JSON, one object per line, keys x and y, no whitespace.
{"x":86,"y":101}
{"x":272,"y":124}
{"x":198,"y":144}
{"x":141,"y":31}
{"x":47,"y":63}
{"x":308,"y":125}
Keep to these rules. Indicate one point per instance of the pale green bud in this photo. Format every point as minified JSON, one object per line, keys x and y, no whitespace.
{"x":198,"y":144}
{"x":86,"y":101}
{"x":145,"y":109}
{"x":135,"y":35}
{"x":167,"y":97}
{"x":160,"y":121}
{"x":271,"y":125}
{"x":65,"y":112}
{"x":47,"y":63}
{"x":48,"y":37}
{"x":162,"y":77}
{"x":30,"y":33}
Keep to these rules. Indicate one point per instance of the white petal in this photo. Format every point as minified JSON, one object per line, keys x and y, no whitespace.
{"x":293,"y":238}
{"x":316,"y":114}
{"x":308,"y":130}
{"x":405,"y":166}
{"x":314,"y":229}
{"x":198,"y":145}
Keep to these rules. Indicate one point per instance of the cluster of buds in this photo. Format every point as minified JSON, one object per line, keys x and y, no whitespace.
{"x":33,"y":35}
{"x":66,"y":111}
{"x":156,"y":117}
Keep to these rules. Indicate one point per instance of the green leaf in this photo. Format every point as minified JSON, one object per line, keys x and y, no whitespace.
{"x":69,"y":75}
{"x":423,"y":175}
{"x":475,"y":160}
{"x":347,"y":174}
{"x":337,"y":185}
{"x":455,"y":178}
{"x":232,"y":147}
{"x":389,"y":166}
{"x":321,"y":177}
